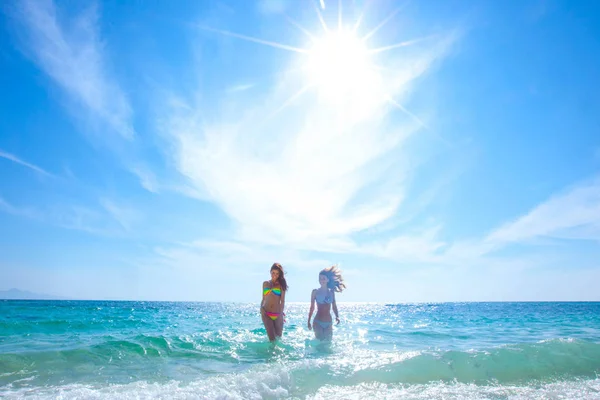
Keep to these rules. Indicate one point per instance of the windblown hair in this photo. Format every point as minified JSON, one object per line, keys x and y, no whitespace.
{"x":281,"y":280}
{"x":336,"y":281}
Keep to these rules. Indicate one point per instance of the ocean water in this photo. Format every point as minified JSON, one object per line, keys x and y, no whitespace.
{"x":139,"y":350}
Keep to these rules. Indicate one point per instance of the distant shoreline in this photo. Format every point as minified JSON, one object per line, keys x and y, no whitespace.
{"x":18,"y":294}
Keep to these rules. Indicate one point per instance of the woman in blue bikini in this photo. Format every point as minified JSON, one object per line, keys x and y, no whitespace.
{"x":331,"y":281}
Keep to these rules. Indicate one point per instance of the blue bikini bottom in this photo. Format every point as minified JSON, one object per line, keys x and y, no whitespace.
{"x":324,"y":325}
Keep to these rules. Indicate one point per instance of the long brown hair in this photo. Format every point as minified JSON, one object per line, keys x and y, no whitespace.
{"x":336,"y":281}
{"x":281,"y":280}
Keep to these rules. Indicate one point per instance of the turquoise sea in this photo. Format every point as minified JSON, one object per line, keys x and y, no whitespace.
{"x":139,"y":350}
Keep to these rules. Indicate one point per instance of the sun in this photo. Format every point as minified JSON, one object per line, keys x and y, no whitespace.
{"x":339,"y":66}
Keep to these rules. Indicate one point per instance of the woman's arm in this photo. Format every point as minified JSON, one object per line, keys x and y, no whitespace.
{"x":334,"y":306}
{"x":262,"y":297}
{"x":312,"y":307}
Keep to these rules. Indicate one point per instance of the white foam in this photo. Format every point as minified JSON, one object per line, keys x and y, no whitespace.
{"x":276,"y":381}
{"x":584,"y":389}
{"x":264,"y":382}
{"x":255,"y":387}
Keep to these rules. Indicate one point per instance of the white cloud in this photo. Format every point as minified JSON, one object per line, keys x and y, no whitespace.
{"x":147,"y":178}
{"x":72,"y":55}
{"x":110,"y":220}
{"x":237,"y":257}
{"x":20,"y":211}
{"x":79,"y":218}
{"x":126,"y":217}
{"x":240,"y":88}
{"x":272,"y":6}
{"x":419,"y":247}
{"x":306,"y":173}
{"x":574,"y":213}
{"x":16,"y":159}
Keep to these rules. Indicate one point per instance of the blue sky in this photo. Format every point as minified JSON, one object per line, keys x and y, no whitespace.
{"x":435,"y":151}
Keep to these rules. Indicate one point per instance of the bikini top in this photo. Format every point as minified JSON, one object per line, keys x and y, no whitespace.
{"x":324,"y":298}
{"x":276,"y":291}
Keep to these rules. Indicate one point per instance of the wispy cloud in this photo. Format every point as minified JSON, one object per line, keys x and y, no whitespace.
{"x":16,"y":159}
{"x":240,"y":88}
{"x":298,"y":167}
{"x":111,"y":219}
{"x":147,"y":178}
{"x":23,"y":212}
{"x":125,"y":216}
{"x":210,"y":259}
{"x":573,"y":214}
{"x":80,"y":218}
{"x":413,"y":247}
{"x":71,"y":53}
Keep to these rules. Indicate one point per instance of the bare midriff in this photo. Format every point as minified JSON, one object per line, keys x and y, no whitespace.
{"x":323,"y":312}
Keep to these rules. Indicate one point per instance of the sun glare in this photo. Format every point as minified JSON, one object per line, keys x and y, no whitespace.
{"x":340,"y":68}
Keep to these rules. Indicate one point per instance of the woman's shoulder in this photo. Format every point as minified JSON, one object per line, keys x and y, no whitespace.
{"x":266,"y":283}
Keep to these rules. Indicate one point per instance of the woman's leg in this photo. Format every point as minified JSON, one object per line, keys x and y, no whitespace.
{"x":328,"y":333}
{"x":319,"y":331}
{"x":278,"y":326}
{"x":269,"y":325}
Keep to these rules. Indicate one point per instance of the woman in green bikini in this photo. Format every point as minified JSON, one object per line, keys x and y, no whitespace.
{"x":331,"y":281}
{"x":273,"y":302}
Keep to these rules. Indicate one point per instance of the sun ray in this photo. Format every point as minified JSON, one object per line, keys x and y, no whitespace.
{"x":320,"y":16}
{"x":289,"y":101}
{"x":301,"y":28}
{"x":418,"y":120}
{"x":255,"y":40}
{"x":397,"y":45}
{"x":381,"y":68}
{"x":404,"y":110}
{"x":382,"y":23}
{"x":361,"y":16}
